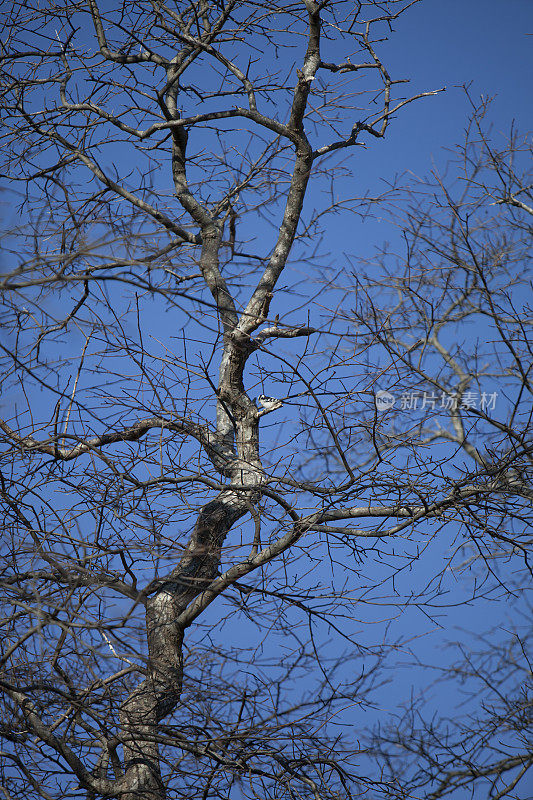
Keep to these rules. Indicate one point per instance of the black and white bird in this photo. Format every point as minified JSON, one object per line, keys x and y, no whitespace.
{"x":269,"y":403}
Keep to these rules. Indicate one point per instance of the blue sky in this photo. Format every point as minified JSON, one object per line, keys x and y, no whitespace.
{"x":484,"y":44}
{"x":481,"y":43}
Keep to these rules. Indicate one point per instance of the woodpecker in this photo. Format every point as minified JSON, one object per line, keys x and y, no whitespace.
{"x":269,"y":403}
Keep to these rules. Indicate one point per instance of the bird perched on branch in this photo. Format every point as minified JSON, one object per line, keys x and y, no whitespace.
{"x":269,"y":403}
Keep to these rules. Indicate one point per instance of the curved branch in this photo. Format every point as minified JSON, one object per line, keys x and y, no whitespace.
{"x":217,"y":450}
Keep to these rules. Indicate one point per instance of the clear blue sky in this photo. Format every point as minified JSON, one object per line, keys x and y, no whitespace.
{"x":438,"y":43}
{"x":487,"y":44}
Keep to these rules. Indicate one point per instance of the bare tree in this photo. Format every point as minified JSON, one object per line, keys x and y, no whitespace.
{"x":454,"y":338}
{"x":158,"y":276}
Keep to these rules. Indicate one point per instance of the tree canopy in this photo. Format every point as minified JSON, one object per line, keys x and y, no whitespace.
{"x":207,"y":596}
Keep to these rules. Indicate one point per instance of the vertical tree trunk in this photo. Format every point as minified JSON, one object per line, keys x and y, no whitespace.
{"x":158,"y":695}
